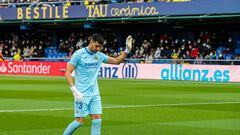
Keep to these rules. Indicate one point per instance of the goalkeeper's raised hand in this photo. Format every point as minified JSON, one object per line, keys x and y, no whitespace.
{"x":129,"y":41}
{"x":78,"y":96}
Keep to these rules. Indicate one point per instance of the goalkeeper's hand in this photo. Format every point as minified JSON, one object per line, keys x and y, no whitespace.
{"x":129,"y":41}
{"x":78,"y":96}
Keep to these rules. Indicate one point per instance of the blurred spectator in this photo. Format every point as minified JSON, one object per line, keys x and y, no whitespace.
{"x":1,"y":56}
{"x":231,"y":44}
{"x":157,"y":53}
{"x":174,"y":54}
{"x":194,"y":53}
{"x":71,"y":51}
{"x":26,"y":52}
{"x":17,"y":56}
{"x":79,"y":43}
{"x":149,"y":58}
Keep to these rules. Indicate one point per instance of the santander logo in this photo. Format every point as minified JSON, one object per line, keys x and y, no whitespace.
{"x":3,"y":68}
{"x":25,"y":68}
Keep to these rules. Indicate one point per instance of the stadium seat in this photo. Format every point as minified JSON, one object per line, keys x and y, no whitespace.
{"x":220,"y":49}
{"x":237,"y":51}
{"x":50,"y":56}
{"x":229,"y":56}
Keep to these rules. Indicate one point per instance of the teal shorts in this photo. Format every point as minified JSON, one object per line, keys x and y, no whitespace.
{"x":90,"y":105}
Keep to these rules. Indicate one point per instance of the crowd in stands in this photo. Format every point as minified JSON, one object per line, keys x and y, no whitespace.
{"x":147,"y":45}
{"x":151,"y":46}
{"x":24,"y":44}
{"x":204,"y":46}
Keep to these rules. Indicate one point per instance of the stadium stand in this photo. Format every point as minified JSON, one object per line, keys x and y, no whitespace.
{"x":148,"y":46}
{"x":35,"y":40}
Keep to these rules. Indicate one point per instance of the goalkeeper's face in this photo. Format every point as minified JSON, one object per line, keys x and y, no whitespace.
{"x":95,"y":46}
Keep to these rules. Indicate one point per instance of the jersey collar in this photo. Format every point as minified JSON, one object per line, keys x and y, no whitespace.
{"x":89,"y":51}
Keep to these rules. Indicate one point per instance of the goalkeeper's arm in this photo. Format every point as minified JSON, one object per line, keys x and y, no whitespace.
{"x":68,"y":75}
{"x":121,"y":57}
{"x":78,"y":96}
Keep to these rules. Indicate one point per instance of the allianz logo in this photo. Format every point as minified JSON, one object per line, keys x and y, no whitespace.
{"x":130,"y":70}
{"x":3,"y":68}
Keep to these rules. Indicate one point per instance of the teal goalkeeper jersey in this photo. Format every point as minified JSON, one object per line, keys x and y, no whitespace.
{"x":87,"y":65}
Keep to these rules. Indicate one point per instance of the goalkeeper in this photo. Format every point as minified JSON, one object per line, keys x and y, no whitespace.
{"x":86,"y":63}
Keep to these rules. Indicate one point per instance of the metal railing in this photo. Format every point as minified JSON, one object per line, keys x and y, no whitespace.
{"x":186,"y":61}
{"x":154,"y":61}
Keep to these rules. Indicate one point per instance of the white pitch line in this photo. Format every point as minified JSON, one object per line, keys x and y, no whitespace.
{"x":36,"y":110}
{"x":166,"y":105}
{"x":124,"y":106}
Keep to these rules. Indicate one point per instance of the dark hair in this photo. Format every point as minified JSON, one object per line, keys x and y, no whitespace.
{"x":97,"y":38}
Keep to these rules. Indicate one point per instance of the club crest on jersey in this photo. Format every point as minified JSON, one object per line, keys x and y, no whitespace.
{"x":95,"y":57}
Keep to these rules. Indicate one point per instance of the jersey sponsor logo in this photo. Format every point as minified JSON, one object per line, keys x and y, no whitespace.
{"x":91,"y":65}
{"x":129,"y":70}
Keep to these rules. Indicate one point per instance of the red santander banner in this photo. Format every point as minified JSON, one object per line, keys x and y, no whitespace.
{"x":33,"y":68}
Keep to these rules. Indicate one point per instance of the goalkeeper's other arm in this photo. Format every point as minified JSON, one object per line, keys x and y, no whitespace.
{"x":78,"y":96}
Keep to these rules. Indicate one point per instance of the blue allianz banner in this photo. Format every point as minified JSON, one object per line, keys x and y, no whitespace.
{"x":123,"y":10}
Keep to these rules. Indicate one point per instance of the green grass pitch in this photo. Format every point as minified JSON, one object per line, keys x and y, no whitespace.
{"x":44,"y":106}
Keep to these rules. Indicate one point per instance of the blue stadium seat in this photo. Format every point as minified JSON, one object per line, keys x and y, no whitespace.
{"x":237,"y":51}
{"x":55,"y":51}
{"x":229,"y":56}
{"x":64,"y":55}
{"x":220,"y":49}
{"x":50,"y":50}
{"x":59,"y":55}
{"x":50,"y":56}
{"x":238,"y":44}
